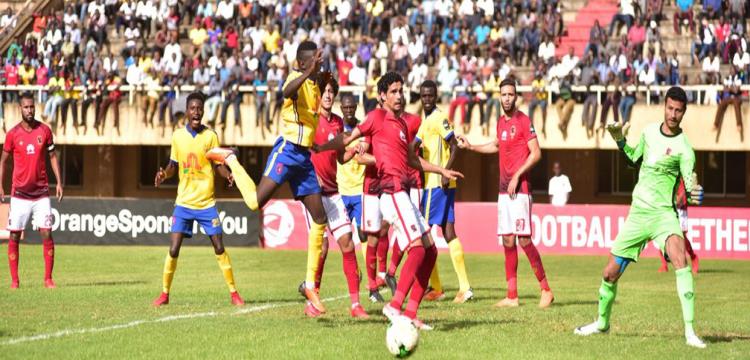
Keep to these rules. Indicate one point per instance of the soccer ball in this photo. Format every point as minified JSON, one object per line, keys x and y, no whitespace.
{"x":401,"y":337}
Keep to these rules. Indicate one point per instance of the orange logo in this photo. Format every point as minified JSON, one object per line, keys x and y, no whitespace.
{"x":51,"y":252}
{"x":12,"y":257}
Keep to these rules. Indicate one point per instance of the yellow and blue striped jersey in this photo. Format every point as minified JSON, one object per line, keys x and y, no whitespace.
{"x":196,"y":188}
{"x":299,"y":116}
{"x":435,"y":133}
{"x":350,"y":176}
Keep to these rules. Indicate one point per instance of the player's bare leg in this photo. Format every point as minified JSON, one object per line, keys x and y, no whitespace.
{"x":675,"y":249}
{"x":13,"y":259}
{"x":48,"y":246}
{"x":546,"y":298}
{"x":314,"y":205}
{"x":170,"y":265}
{"x":225,"y":264}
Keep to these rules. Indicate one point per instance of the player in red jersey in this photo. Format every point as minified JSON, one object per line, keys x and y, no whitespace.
{"x":29,"y":142}
{"x":390,"y":146}
{"x":681,"y":205}
{"x":330,"y":125}
{"x":518,"y":151}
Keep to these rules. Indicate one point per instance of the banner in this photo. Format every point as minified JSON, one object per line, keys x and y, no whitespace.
{"x":715,"y":233}
{"x":137,"y":222}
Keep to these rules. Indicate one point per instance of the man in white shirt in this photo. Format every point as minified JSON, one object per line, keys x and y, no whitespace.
{"x":624,"y":16}
{"x":224,"y":12}
{"x":711,"y":67}
{"x":559,"y":187}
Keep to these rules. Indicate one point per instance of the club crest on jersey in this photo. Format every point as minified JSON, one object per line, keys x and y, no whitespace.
{"x":215,"y":222}
{"x":504,"y":136}
{"x":279,"y":168}
{"x":446,"y":124}
{"x":39,"y":140}
{"x":330,"y":136}
{"x":512,"y":132}
{"x":668,"y":152}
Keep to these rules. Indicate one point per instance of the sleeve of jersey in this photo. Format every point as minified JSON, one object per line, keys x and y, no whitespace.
{"x":50,"y":143}
{"x":531,"y":132}
{"x":633,"y":154}
{"x":293,"y":75}
{"x":8,"y":145}
{"x":446,"y":129}
{"x":173,"y":151}
{"x":687,"y":164}
{"x":367,"y":127}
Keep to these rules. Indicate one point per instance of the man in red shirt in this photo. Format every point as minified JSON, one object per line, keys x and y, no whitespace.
{"x":29,"y":142}
{"x":330,"y":125}
{"x":390,"y":145}
{"x":518,"y":150}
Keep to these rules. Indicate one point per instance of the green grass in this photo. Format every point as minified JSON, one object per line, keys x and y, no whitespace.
{"x":106,"y":286}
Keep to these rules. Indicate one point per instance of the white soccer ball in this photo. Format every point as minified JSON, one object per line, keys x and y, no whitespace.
{"x":401,"y":337}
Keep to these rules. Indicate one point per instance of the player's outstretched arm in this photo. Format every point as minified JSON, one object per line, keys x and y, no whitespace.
{"x":3,"y":161}
{"x":449,"y":165}
{"x":488,"y":148}
{"x":224,"y":172}
{"x":56,"y":170}
{"x":339,"y":143}
{"x":423,"y":165}
{"x":164,"y":174}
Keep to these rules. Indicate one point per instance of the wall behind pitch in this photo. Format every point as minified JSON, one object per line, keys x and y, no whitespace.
{"x":97,"y":221}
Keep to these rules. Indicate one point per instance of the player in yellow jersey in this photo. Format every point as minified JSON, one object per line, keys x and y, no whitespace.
{"x":195,"y":194}
{"x":439,"y":147}
{"x":289,"y":160}
{"x":351,"y":175}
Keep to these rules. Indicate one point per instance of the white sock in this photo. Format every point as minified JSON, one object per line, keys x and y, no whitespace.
{"x":689,"y":332}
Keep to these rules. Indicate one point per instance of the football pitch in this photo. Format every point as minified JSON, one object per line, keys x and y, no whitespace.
{"x":102,"y":309}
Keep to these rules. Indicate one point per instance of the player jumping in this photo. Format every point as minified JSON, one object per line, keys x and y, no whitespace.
{"x":664,"y":154}
{"x":195,"y":194}
{"x":29,"y":142}
{"x":391,"y":150}
{"x":518,"y":150}
{"x":439,"y":146}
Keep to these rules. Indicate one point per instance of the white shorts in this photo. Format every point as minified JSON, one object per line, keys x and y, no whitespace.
{"x":682,"y":215}
{"x":338,"y":220}
{"x":21,"y":209}
{"x":372,"y":217}
{"x":407,"y":222}
{"x":514,"y":215}
{"x":416,"y":197}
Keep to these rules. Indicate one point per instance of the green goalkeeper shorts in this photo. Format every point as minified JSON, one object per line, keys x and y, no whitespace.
{"x":642,"y":226}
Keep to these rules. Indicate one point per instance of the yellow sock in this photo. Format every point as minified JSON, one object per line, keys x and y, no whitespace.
{"x":314,"y":249}
{"x":226,"y":268}
{"x":244,"y":183}
{"x":457,"y":256}
{"x":170,"y":264}
{"x":435,"y":279}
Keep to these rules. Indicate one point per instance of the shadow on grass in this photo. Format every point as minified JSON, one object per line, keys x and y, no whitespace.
{"x":337,"y":322}
{"x":714,"y":271}
{"x":575,"y":303}
{"x":726,"y":338}
{"x":442,"y":325}
{"x":106,"y":283}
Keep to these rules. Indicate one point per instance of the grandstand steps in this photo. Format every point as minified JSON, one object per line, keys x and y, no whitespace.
{"x":577,"y":33}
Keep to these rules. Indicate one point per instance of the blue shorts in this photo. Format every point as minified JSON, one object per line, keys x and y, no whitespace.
{"x":184,"y":218}
{"x":437,"y":205}
{"x":291,"y":162}
{"x":353,"y":206}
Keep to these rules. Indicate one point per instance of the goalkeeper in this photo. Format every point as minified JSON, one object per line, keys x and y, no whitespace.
{"x":664,"y":155}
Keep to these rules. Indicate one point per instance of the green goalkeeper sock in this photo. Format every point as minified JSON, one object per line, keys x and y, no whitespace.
{"x":686,"y":292}
{"x":607,"y":293}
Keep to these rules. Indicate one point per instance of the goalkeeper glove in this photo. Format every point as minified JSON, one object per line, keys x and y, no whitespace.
{"x":615,"y":130}
{"x":696,"y":195}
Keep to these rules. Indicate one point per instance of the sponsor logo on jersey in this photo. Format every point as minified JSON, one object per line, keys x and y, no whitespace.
{"x":30,"y":149}
{"x":504,"y":136}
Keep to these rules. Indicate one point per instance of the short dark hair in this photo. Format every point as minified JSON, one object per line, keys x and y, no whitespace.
{"x":306,"y":45}
{"x":676,"y":93}
{"x":326,"y":78}
{"x":26,"y":95}
{"x":428,"y":84}
{"x":348,"y":96}
{"x":509,"y":81}
{"x":387,"y":80}
{"x":196,"y":95}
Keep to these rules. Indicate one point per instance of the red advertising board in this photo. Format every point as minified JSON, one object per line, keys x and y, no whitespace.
{"x":718,"y":233}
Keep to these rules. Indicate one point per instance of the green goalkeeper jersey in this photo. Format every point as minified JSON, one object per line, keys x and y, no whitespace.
{"x":663,"y":160}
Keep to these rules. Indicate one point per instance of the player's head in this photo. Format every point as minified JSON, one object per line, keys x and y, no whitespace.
{"x":508,"y":95}
{"x":428,"y":95}
{"x":305,"y":53}
{"x":674,"y":107}
{"x":349,"y":108}
{"x":194,"y":107}
{"x":391,"y":91}
{"x":28,"y":110}
{"x":329,"y":88}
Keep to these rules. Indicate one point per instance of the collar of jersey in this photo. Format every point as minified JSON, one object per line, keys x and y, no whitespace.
{"x":194,"y":133}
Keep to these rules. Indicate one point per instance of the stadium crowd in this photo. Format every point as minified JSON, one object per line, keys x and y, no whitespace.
{"x":219,"y":45}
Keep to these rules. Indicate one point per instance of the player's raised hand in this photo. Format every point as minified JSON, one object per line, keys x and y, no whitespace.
{"x":451,"y":174}
{"x":615,"y":130}
{"x":463,"y":142}
{"x":512,"y":185}
{"x":59,"y":192}
{"x":160,"y":176}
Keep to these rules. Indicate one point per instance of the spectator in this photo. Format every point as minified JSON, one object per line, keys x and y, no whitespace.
{"x":233,"y":98}
{"x":539,"y":98}
{"x":70,"y":101}
{"x":731,"y":95}
{"x":546,"y":49}
{"x":637,"y":35}
{"x":491,"y":85}
{"x":712,"y":8}
{"x":55,"y":88}
{"x":91,"y":95}
{"x":111,"y":98}
{"x":612,"y":100}
{"x":597,"y":39}
{"x":625,"y":15}
{"x":711,"y":67}
{"x":8,"y":20}
{"x":674,"y":69}
{"x":627,"y":102}
{"x":683,"y":16}
{"x":559,"y":187}
{"x":565,"y":104}
{"x":150,"y":99}
{"x":587,"y":78}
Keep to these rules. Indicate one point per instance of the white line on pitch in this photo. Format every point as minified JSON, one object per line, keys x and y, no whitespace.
{"x":68,"y":332}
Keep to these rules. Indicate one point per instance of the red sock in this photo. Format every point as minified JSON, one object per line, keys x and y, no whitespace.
{"x":536,"y":264}
{"x":396,"y":257}
{"x":382,"y":253}
{"x":689,"y":248}
{"x":351,"y":271}
{"x":13,"y":260}
{"x":423,"y":279}
{"x":49,"y":257}
{"x":407,"y":276}
{"x":511,"y":266}
{"x":371,"y":264}
{"x":321,"y":266}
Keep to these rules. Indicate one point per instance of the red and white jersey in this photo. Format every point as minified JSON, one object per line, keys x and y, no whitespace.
{"x":390,"y":145}
{"x":513,"y":136}
{"x":325,"y":162}
{"x":413,"y":122}
{"x":29,"y":149}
